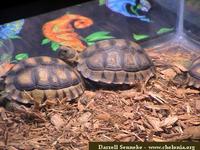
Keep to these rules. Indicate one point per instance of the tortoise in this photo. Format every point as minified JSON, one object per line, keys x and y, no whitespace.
{"x":193,"y":74}
{"x":113,"y":61}
{"x":38,"y":79}
{"x":190,"y":76}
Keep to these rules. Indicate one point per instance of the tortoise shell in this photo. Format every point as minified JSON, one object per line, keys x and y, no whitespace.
{"x":194,"y":73}
{"x":40,"y":78}
{"x":116,"y":61}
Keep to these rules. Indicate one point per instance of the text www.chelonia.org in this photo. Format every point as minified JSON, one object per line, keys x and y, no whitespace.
{"x":171,"y":147}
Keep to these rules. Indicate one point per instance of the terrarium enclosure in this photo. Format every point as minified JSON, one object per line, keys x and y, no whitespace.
{"x":168,"y":110}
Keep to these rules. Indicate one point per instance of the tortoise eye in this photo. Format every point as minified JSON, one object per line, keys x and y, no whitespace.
{"x":64,"y":51}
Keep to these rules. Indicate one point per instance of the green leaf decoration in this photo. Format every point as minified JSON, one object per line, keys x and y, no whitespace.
{"x":138,"y":37}
{"x":164,"y":30}
{"x":101,"y":35}
{"x":54,"y":46}
{"x":101,"y":38}
{"x":96,"y":34}
{"x":15,"y":37}
{"x":21,"y":56}
{"x":45,"y":41}
{"x":102,"y":2}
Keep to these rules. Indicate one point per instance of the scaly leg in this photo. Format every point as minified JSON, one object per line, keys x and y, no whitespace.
{"x":143,"y":85}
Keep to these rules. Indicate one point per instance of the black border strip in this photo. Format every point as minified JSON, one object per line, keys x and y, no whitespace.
{"x":29,"y":9}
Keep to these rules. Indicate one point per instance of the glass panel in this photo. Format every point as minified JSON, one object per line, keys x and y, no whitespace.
{"x":84,"y":24}
{"x":192,"y":19}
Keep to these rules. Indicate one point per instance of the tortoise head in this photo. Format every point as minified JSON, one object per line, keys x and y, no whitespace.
{"x":5,"y":68}
{"x":68,"y":55}
{"x":180,"y":79}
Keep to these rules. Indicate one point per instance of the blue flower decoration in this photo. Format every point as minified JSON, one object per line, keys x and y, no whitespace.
{"x":11,"y":30}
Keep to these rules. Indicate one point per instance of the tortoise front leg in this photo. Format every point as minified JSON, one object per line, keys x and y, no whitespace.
{"x":144,"y":84}
{"x":36,"y":106}
{"x":143,"y":88}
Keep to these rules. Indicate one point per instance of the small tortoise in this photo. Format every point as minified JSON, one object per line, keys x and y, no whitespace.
{"x":37,"y":79}
{"x":189,"y":76}
{"x":114,"y":61}
{"x":194,"y":73}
